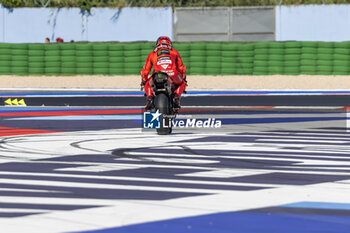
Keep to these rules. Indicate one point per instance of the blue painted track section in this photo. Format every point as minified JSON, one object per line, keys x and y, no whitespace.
{"x":251,"y":221}
{"x":189,"y":93}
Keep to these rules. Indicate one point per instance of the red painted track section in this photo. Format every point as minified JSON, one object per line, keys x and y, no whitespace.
{"x":6,"y":131}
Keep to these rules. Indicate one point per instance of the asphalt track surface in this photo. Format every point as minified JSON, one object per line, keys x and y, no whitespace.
{"x":229,"y":100}
{"x":93,"y":169}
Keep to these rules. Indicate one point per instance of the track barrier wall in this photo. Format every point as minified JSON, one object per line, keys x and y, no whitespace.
{"x":33,"y":25}
{"x":213,"y":58}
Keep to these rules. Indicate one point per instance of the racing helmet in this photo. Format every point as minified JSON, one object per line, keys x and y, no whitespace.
{"x":164,"y":41}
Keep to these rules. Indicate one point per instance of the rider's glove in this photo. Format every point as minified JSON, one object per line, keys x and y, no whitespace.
{"x":143,"y":80}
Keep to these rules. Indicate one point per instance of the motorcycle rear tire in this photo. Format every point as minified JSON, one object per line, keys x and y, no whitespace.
{"x":162,"y":104}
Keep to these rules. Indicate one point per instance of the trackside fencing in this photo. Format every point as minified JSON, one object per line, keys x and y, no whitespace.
{"x":201,"y":58}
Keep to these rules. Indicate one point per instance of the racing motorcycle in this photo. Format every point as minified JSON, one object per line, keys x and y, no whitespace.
{"x":163,"y":87}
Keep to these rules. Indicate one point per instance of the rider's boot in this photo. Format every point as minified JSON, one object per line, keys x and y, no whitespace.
{"x":176,"y":101}
{"x":149,"y":103}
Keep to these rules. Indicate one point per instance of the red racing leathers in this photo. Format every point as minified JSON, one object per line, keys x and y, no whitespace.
{"x":167,"y":60}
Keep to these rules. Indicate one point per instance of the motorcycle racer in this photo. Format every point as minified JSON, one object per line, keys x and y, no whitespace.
{"x":166,"y":59}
